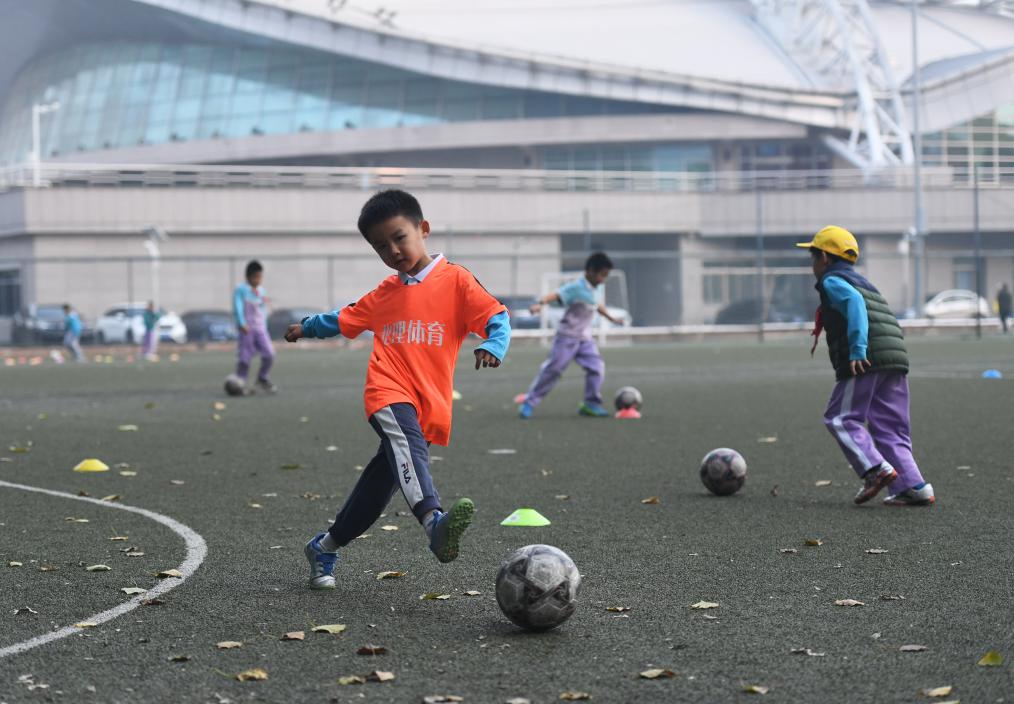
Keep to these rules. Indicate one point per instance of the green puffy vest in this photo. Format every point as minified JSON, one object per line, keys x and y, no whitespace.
{"x":886,"y":344}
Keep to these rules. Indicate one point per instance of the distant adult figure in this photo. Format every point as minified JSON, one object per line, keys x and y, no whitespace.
{"x":1003,"y":303}
{"x":72,"y":332}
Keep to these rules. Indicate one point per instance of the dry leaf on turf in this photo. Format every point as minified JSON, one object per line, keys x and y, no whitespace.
{"x":518,"y":700}
{"x":127,"y":428}
{"x":705,"y":605}
{"x":849,"y":602}
{"x":563,"y":497}
{"x":756,"y":689}
{"x":85,"y":624}
{"x":177,"y":482}
{"x":788,"y":551}
{"x":48,"y":568}
{"x":617,"y":609}
{"x":71,"y":519}
{"x":255,"y":674}
{"x":133,"y":590}
{"x":119,"y":538}
{"x":937,"y":691}
{"x":294,"y":635}
{"x":434,"y":596}
{"x":806,"y":651}
{"x":471,"y":592}
{"x":657,"y":674}
{"x":388,"y":527}
{"x":98,"y":568}
{"x":291,"y":465}
{"x":814,"y":542}
{"x":25,"y":610}
{"x":352,"y":679}
{"x":652,"y":500}
{"x":128,"y":473}
{"x":380,"y":676}
{"x":134,"y":552}
{"x":218,"y":405}
{"x":15,"y":563}
{"x":441,"y":699}
{"x":574,"y":696}
{"x":164,"y":574}
{"x":913,"y":648}
{"x":369,"y":649}
{"x":876,"y":551}
{"x":178,"y":658}
{"x":333,"y":628}
{"x":768,"y":439}
{"x":991,"y":659}
{"x":152,"y":602}
{"x":390,"y":575}
{"x":822,"y":482}
{"x":110,"y":498}
{"x":891,"y":597}
{"x":228,"y":644}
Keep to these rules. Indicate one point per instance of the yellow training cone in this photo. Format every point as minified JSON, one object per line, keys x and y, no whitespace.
{"x":91,"y":465}
{"x":527,"y":517}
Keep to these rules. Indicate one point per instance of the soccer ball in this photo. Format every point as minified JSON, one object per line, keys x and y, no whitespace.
{"x":234,"y":386}
{"x":628,"y":397}
{"x":537,"y":587}
{"x":723,"y":471}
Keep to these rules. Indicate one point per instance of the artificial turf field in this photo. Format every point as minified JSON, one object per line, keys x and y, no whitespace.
{"x":952,"y":563}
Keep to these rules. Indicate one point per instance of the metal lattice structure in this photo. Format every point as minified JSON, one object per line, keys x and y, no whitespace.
{"x":1004,"y":8}
{"x":835,"y":45}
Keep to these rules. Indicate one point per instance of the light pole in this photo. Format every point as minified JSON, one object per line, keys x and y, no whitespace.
{"x":918,"y":239}
{"x":154,"y":235}
{"x":38,"y":110}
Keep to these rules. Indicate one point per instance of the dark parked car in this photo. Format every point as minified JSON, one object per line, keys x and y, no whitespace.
{"x":280,"y":320}
{"x":746,"y":311}
{"x":518,"y":307}
{"x":42,"y":324}
{"x":210,"y":326}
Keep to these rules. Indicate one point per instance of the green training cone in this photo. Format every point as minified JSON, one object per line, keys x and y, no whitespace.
{"x":527,"y":517}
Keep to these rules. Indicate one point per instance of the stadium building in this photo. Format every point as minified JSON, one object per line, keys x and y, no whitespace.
{"x":693,"y":139}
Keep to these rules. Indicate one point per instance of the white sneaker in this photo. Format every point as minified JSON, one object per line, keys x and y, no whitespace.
{"x":321,"y":564}
{"x":912,"y":497}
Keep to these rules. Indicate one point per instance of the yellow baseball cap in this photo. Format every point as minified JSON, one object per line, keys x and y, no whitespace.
{"x":835,"y":240}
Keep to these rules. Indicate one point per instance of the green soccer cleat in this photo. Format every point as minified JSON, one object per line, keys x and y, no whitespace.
{"x":448,"y":529}
{"x":595,"y":410}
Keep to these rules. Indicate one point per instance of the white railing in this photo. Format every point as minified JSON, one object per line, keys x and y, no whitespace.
{"x":66,"y":175}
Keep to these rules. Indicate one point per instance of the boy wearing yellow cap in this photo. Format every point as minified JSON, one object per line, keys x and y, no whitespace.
{"x":868,"y":411}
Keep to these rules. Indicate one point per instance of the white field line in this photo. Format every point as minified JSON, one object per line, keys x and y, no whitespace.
{"x":196,"y":551}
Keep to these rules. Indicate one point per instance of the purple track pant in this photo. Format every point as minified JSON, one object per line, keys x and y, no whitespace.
{"x":868,"y":416}
{"x":566,"y":350}
{"x":254,"y":341}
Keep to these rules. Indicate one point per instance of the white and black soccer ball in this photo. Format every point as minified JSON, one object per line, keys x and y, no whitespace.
{"x":723,"y":471}
{"x":234,"y":385}
{"x":537,"y":587}
{"x":628,"y":397}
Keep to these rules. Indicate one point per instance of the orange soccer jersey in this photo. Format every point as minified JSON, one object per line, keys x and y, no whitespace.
{"x":418,"y":331}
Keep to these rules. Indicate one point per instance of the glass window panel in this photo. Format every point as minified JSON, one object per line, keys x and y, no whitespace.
{"x":242,"y":125}
{"x":182,"y":130}
{"x":344,"y":116}
{"x":188,"y":110}
{"x":277,"y":98}
{"x":246,"y":103}
{"x":461,"y":109}
{"x":311,"y":120}
{"x":420,"y":112}
{"x":276,"y":122}
{"x":574,"y":105}
{"x":505,"y":106}
{"x":541,"y":105}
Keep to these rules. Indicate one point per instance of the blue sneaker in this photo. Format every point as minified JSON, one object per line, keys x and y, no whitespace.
{"x":321,"y":564}
{"x":594,"y":410}
{"x":448,"y":529}
{"x":525,"y":411}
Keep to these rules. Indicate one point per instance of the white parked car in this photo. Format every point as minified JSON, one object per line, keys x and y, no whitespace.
{"x":125,"y":323}
{"x":957,"y":303}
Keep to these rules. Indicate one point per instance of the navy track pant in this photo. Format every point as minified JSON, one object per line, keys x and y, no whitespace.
{"x":403,"y":460}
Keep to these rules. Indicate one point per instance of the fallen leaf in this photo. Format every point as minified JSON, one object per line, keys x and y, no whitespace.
{"x":380,"y":676}
{"x":111,"y":497}
{"x":913,"y":648}
{"x":563,"y":497}
{"x":617,"y":609}
{"x":774,"y":490}
{"x":149,"y":405}
{"x":331,"y":448}
{"x":876,"y":551}
{"x":574,"y":696}
{"x":471,"y":592}
{"x":352,"y":679}
{"x":389,"y":528}
{"x":98,"y":568}
{"x":936,"y":691}
{"x":128,"y":473}
{"x":218,"y":405}
{"x":133,"y":590}
{"x":164,"y":574}
{"x":518,"y":700}
{"x":177,"y":482}
{"x":254,"y":504}
{"x":228,"y":644}
{"x":788,"y":551}
{"x":180,"y":658}
{"x":390,"y":575}
{"x":25,"y":610}
{"x":19,"y":449}
{"x":85,"y":624}
{"x":14,"y":563}
{"x":153,"y":602}
{"x":134,"y":552}
{"x":333,"y":628}
{"x":119,"y":538}
{"x":434,"y":596}
{"x":502,"y":451}
{"x":705,"y":605}
{"x":807,"y":652}
{"x":652,"y":500}
{"x":255,"y":674}
{"x":216,"y":416}
{"x":369,"y":649}
{"x":441,"y":699}
{"x":891,"y":597}
{"x":991,"y":659}
{"x":814,"y":542}
{"x":768,"y":439}
{"x":822,"y":482}
{"x":129,"y":427}
{"x":71,"y":519}
{"x":291,"y":465}
{"x":756,"y":689}
{"x":48,"y":568}
{"x":848,"y":602}
{"x":657,"y":674}
{"x":294,"y":635}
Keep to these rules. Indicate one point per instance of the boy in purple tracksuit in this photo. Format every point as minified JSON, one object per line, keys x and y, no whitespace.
{"x":249,"y":305}
{"x":868,"y":413}
{"x":573,"y":342}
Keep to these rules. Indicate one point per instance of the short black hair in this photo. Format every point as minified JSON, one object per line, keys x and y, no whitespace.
{"x":833,"y":257}
{"x":386,"y":205}
{"x":598,"y":261}
{"x":253,"y":267}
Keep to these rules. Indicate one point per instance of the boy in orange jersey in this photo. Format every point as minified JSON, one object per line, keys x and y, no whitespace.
{"x":419,"y":319}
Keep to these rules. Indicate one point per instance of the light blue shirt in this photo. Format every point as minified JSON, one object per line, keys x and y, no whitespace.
{"x":845,"y":299}
{"x":581,"y":300}
{"x":72,"y":323}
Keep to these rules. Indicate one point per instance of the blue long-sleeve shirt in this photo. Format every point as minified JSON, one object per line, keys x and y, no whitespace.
{"x":845,"y":299}
{"x":72,"y":323}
